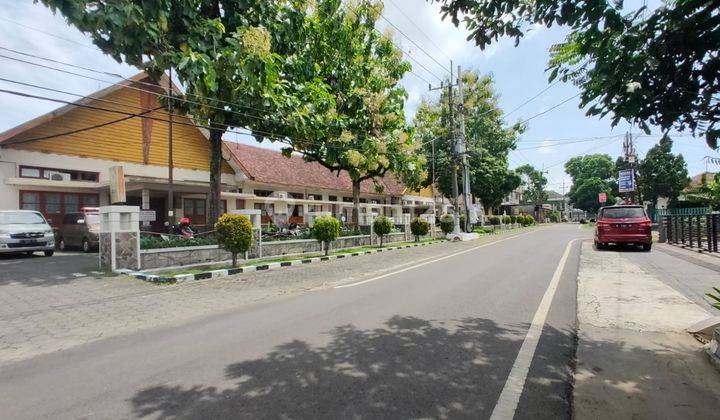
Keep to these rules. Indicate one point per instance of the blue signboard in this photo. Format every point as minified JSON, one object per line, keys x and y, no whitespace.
{"x":626,"y":180}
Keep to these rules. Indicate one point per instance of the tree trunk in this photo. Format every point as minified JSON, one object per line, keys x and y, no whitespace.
{"x":356,"y":204}
{"x":234,"y":259}
{"x":327,"y":248}
{"x":215,"y":174}
{"x":381,"y":240}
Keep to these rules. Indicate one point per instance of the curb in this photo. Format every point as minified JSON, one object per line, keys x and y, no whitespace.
{"x":211,"y":274}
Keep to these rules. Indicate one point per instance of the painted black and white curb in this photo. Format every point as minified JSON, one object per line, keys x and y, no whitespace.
{"x":211,"y":274}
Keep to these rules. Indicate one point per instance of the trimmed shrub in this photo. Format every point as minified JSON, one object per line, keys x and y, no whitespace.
{"x":507,"y":220}
{"x":447,"y":223}
{"x":494,"y":220}
{"x":419,"y":227}
{"x":513,"y":219}
{"x":555,"y":216}
{"x":528,"y":220}
{"x":234,"y":234}
{"x":325,"y":230}
{"x":382,"y":226}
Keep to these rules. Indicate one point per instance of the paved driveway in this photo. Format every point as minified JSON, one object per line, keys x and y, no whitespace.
{"x":38,"y":270}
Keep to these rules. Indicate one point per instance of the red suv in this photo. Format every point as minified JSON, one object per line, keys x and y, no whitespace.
{"x":623,"y":225}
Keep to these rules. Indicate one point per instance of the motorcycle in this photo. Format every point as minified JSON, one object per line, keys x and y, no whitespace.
{"x":183,"y":228}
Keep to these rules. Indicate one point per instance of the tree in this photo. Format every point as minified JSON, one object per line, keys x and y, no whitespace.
{"x":636,"y":64}
{"x":533,"y":182}
{"x":352,"y":73}
{"x":234,"y":234}
{"x":326,"y":229}
{"x":382,"y":226}
{"x":592,"y":175}
{"x":663,"y":174}
{"x":489,"y":141}
{"x":419,"y":227}
{"x":224,"y":52}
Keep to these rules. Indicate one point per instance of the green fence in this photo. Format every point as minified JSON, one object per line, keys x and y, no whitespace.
{"x":683,"y":211}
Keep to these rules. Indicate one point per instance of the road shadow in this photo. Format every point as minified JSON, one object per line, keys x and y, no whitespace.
{"x":411,"y":368}
{"x":620,"y":248}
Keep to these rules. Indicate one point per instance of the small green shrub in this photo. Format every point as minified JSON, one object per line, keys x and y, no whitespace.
{"x":715,"y":297}
{"x":527,"y":220}
{"x":382,"y":226}
{"x":235,"y":234}
{"x":555,"y":216}
{"x":325,"y":230}
{"x":419,"y":227}
{"x":447,"y":223}
{"x":513,"y":219}
{"x":507,"y":220}
{"x":155,"y":242}
{"x":494,"y":220}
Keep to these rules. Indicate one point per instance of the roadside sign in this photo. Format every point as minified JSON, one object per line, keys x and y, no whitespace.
{"x":116,"y":181}
{"x":626,"y":180}
{"x":602,"y":197}
{"x":147,"y":215}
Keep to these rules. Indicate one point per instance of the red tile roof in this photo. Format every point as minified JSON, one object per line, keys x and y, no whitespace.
{"x":271,"y":167}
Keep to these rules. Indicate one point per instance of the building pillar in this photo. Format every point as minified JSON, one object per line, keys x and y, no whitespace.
{"x":119,"y":238}
{"x":145,"y":203}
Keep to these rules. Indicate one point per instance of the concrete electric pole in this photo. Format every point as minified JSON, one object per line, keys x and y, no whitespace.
{"x":461,"y":151}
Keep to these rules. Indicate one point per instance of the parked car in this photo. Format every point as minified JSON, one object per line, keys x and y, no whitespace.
{"x":80,"y":230}
{"x":25,"y":231}
{"x":623,"y":225}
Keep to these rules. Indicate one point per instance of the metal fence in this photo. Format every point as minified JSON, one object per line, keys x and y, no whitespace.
{"x":698,"y":231}
{"x":682,"y":211}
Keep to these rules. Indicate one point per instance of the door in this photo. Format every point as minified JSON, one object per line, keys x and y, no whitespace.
{"x":194,"y":209}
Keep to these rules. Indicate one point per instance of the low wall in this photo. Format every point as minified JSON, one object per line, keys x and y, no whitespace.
{"x":174,"y":257}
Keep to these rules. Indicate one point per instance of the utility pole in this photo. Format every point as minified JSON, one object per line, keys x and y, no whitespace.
{"x":461,"y":150}
{"x":455,"y":188}
{"x":170,"y":203}
{"x":629,"y":154}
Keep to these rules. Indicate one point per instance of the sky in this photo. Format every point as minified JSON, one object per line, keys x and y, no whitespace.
{"x":552,"y":138}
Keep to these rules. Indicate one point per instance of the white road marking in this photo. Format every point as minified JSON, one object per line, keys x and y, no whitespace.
{"x":79,"y":274}
{"x":510,"y":395}
{"x":430,"y":262}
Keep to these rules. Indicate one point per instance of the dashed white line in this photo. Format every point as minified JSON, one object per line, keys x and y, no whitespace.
{"x":510,"y":395}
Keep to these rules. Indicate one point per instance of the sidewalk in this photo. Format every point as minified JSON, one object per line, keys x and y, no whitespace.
{"x":634,"y":359}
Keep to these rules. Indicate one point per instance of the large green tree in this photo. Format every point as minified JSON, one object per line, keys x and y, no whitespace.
{"x":488,"y":139}
{"x":533,"y":182}
{"x":591,"y":175}
{"x":652,"y":67}
{"x":663,"y":173}
{"x":354,"y":72}
{"x":223,"y":51}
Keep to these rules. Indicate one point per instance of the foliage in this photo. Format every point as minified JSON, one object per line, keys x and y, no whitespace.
{"x":507,"y":220}
{"x":533,"y":183}
{"x":555,"y":216}
{"x":419,"y":227}
{"x":154,"y":242}
{"x":592,"y":175}
{"x":636,"y":64}
{"x":489,"y":141}
{"x":447,"y":223}
{"x":663,"y":174}
{"x":715,"y":297}
{"x":382,"y":226}
{"x":526,"y":220}
{"x":326,"y":229}
{"x":708,"y":192}
{"x":513,"y":218}
{"x":235,"y":234}
{"x":494,"y":220}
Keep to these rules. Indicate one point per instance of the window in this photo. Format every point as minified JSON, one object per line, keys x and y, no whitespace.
{"x":347,"y":200}
{"x":240,"y":204}
{"x":263,"y":193}
{"x":72,"y":203}
{"x":332,"y":198}
{"x":194,"y":209}
{"x":37,"y":172}
{"x":623,"y":213}
{"x":54,"y":205}
{"x":298,"y":196}
{"x":223,"y":207}
{"x":30,"y":201}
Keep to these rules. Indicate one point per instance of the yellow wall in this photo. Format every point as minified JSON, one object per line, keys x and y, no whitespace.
{"x":424,"y":192}
{"x":121,"y":141}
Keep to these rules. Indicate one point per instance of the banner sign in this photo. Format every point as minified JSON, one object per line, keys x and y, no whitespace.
{"x":602,"y":197}
{"x":626,"y":180}
{"x":147,"y":215}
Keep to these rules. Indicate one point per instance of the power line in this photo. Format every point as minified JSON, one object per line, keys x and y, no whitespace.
{"x":442,"y":66}
{"x":419,"y":29}
{"x":533,"y":98}
{"x":414,"y":59}
{"x":50,"y":34}
{"x":551,"y":108}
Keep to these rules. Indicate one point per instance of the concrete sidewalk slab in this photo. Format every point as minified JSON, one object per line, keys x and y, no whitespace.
{"x":634,"y":359}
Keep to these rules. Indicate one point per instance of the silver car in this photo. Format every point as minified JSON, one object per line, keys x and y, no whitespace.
{"x":25,"y":231}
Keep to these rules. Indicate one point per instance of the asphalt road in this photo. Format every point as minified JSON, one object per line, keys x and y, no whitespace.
{"x":436,"y":339}
{"x":37,"y":269}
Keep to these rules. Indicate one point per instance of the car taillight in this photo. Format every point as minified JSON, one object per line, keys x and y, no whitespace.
{"x":645,"y":224}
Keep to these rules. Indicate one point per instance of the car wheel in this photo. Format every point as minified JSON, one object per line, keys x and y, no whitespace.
{"x":599,"y":246}
{"x":647,"y":247}
{"x":29,"y":253}
{"x":49,"y":253}
{"x":61,"y":244}
{"x":85,"y":245}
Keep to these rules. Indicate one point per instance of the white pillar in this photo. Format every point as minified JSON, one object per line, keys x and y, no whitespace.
{"x":119,"y":238}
